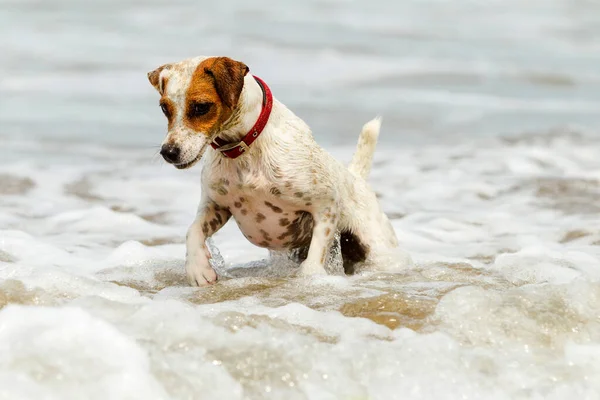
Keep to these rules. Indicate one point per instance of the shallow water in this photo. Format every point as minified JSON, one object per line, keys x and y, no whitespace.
{"x":488,"y":168}
{"x":503,"y":301}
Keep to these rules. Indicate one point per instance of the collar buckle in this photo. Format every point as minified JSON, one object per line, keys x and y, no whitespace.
{"x":242,"y":145}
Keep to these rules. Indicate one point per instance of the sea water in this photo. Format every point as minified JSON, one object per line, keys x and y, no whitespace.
{"x":488,"y":167}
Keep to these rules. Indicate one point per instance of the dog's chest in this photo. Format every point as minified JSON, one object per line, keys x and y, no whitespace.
{"x":268,"y":215}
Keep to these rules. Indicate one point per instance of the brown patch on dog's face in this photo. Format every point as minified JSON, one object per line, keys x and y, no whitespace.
{"x":213,"y":94}
{"x":202,"y":109}
{"x":228,"y":78}
{"x":197,"y":96}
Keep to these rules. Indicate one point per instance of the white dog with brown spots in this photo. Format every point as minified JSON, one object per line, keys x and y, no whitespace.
{"x":264,"y":169}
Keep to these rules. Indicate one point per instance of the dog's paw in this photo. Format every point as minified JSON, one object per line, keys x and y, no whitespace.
{"x":311,"y":268}
{"x":200,"y":273}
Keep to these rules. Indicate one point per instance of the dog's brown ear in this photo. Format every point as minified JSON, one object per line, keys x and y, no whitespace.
{"x":154,"y":75}
{"x":228,"y":76}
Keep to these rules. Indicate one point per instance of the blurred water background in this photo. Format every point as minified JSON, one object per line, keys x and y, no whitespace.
{"x":434,"y":69}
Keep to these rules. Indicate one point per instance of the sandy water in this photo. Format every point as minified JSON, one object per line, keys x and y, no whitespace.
{"x":503,"y":302}
{"x":488,"y":166}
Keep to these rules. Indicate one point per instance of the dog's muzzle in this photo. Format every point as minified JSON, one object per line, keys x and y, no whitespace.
{"x":170,"y":153}
{"x":183,"y":156}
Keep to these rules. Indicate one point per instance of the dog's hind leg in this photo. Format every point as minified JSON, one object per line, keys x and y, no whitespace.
{"x":323,"y":234}
{"x":367,"y":141}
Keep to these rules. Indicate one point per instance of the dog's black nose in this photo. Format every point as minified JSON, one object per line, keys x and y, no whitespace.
{"x":170,"y":153}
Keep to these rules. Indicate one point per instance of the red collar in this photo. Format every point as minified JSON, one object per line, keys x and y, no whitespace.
{"x":236,"y":149}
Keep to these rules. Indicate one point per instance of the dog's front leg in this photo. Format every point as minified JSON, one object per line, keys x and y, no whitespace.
{"x":209,"y":220}
{"x":325,"y":223}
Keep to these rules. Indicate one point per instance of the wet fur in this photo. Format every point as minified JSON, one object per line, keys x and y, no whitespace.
{"x":286,"y":193}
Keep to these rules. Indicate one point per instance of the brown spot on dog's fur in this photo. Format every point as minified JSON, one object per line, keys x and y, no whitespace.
{"x":273,"y":207}
{"x":288,"y":184}
{"x":298,"y":232}
{"x":264,"y":243}
{"x":284,"y":222}
{"x":260,"y":217}
{"x":315,"y":181}
{"x":327,"y":231}
{"x":266,"y":235}
{"x":220,"y":189}
{"x":275,"y":191}
{"x":242,"y":199}
{"x":220,"y":216}
{"x":308,"y":204}
{"x":237,"y":204}
{"x":244,"y":211}
{"x":299,"y":194}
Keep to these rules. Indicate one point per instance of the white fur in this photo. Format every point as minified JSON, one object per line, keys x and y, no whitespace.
{"x":286,"y":160}
{"x":362,"y":159}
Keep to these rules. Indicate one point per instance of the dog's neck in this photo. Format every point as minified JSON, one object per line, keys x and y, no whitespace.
{"x":245,"y":114}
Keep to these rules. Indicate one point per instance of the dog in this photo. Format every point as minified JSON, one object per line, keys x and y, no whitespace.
{"x":263,"y":167}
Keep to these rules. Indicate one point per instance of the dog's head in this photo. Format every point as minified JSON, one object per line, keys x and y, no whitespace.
{"x":198,"y":95}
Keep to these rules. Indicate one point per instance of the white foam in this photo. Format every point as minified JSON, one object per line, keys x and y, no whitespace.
{"x":66,"y":353}
{"x":501,"y":301}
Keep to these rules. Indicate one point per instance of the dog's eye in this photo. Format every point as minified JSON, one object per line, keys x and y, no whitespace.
{"x":199,"y":109}
{"x":164,"y":109}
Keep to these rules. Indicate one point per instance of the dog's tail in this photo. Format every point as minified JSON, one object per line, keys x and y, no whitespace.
{"x":363,"y":157}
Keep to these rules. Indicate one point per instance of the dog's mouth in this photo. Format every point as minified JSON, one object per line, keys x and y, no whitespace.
{"x":194,"y":161}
